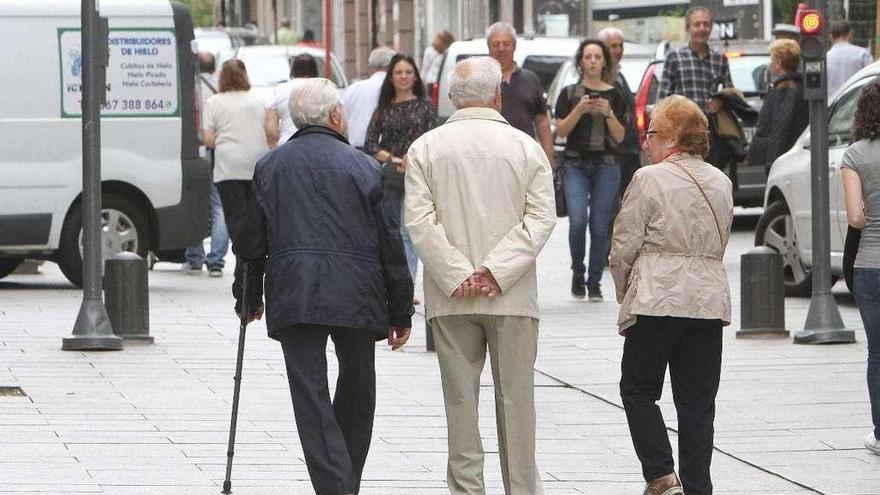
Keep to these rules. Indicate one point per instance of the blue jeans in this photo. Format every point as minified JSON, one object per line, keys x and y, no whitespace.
{"x":393,"y":208}
{"x":590,"y":191}
{"x":195,"y":255}
{"x":866,"y":288}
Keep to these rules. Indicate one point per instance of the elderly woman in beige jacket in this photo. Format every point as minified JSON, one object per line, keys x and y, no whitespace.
{"x":666,"y":260}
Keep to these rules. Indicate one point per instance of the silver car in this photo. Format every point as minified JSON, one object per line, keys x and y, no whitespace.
{"x":786,"y":225}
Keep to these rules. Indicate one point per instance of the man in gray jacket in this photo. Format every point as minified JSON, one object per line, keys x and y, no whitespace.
{"x":479,"y":208}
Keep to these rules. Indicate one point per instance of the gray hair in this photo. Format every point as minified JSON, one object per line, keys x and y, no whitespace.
{"x":311,"y":102}
{"x":380,"y":57}
{"x":501,"y":27}
{"x":474,"y":81}
{"x":608,"y":32}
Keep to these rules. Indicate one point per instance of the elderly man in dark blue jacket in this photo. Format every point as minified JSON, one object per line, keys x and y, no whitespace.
{"x":333,"y":268}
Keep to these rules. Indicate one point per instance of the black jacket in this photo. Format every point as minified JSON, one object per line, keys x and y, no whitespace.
{"x":784,"y":116}
{"x":317,"y":229}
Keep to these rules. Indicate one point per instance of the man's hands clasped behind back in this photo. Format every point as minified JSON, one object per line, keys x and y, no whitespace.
{"x":480,"y":283}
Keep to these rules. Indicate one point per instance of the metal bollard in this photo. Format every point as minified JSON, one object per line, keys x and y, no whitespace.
{"x":126,"y":295}
{"x":762,"y":291}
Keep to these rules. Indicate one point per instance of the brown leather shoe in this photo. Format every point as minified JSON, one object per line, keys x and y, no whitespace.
{"x":664,"y":486}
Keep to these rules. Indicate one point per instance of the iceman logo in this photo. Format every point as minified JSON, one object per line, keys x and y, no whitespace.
{"x":75,"y":62}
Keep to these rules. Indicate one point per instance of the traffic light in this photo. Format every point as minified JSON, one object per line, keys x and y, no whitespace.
{"x":812,"y":26}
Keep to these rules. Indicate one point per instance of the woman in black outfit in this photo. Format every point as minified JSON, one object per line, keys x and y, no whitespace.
{"x":785,"y":113}
{"x":403,"y":114}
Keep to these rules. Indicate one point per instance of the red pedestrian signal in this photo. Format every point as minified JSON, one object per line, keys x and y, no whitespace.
{"x":811,"y":23}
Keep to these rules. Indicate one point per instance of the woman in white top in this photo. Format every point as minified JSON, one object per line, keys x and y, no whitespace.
{"x":235,"y":128}
{"x":434,"y":54}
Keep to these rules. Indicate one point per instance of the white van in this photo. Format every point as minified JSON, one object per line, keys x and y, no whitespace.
{"x":155,"y":186}
{"x":543,"y":56}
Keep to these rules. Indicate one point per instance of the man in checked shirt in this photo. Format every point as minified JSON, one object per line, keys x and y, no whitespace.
{"x":695,"y":71}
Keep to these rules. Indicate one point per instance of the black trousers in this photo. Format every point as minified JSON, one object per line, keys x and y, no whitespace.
{"x":692,"y":349}
{"x":629,"y":163}
{"x":335,"y":436}
{"x":235,"y":195}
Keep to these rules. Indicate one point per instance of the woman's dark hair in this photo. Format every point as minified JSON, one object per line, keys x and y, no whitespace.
{"x":233,"y":76}
{"x":387,"y":92}
{"x":866,"y":122}
{"x":606,"y":68}
{"x":303,"y":65}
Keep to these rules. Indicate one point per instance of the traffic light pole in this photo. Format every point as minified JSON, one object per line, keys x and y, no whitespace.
{"x":92,"y":330}
{"x":824,"y":324}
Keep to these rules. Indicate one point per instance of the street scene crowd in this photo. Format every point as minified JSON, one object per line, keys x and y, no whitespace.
{"x":334,"y":200}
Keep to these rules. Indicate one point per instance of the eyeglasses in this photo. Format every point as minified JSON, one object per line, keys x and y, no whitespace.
{"x":649,"y":133}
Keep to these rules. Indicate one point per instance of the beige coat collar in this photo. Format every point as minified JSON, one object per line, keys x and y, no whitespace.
{"x":480,"y":113}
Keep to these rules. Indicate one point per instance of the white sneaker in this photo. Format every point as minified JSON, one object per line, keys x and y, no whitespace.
{"x":872,"y":443}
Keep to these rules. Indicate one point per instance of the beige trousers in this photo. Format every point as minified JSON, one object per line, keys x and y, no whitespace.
{"x":461,"y":343}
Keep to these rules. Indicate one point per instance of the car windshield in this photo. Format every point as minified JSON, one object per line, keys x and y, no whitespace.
{"x":749,"y":73}
{"x":269,"y":70}
{"x":214,"y":43}
{"x":545,"y":66}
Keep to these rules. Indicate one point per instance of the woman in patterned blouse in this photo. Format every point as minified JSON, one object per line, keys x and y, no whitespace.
{"x":403,"y":114}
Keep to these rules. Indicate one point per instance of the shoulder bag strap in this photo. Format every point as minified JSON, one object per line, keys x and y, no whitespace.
{"x":714,"y":216}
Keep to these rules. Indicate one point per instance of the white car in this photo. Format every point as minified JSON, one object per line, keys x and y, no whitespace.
{"x":269,"y":65}
{"x":786,"y":225}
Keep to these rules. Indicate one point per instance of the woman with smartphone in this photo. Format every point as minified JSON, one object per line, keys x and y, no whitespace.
{"x":586,"y":114}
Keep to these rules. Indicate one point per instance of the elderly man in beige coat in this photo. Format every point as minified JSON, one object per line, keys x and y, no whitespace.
{"x":479,"y":208}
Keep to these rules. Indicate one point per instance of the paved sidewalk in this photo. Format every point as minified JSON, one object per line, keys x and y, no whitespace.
{"x":153,"y":419}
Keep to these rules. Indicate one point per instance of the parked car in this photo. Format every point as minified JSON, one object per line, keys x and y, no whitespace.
{"x":216,"y":40}
{"x":543,"y":56}
{"x":269,"y":65}
{"x":636,"y":59}
{"x":786,"y":225}
{"x":749,"y":61}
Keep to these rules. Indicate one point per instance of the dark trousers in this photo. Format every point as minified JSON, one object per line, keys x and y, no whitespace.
{"x":234,"y":195}
{"x":692,"y":349}
{"x":629,"y":163}
{"x":335,"y":436}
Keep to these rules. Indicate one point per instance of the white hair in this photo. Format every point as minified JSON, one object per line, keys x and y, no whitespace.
{"x":474,"y":81}
{"x":501,"y":27}
{"x":609,"y":32}
{"x":380,"y":57}
{"x":311,"y":102}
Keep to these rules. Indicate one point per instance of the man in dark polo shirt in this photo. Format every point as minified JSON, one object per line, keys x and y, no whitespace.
{"x":522,"y":96}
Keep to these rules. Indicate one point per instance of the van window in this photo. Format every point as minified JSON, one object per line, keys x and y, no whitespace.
{"x":545,"y":66}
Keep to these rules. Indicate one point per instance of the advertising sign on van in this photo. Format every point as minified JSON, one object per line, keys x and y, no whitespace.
{"x":142,"y":79}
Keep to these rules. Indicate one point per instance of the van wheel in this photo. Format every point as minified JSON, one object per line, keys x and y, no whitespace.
{"x":8,"y":265}
{"x":124,"y":228}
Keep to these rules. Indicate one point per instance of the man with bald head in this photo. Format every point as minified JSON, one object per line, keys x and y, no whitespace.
{"x":628,"y":150}
{"x":494,"y":187}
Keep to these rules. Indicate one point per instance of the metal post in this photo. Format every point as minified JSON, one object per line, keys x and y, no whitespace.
{"x":328,"y":37}
{"x":92,"y":330}
{"x":824,"y":324}
{"x":127,"y":296}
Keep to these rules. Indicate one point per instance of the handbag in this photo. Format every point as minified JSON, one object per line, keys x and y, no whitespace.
{"x":559,"y":190}
{"x":850,"y":250}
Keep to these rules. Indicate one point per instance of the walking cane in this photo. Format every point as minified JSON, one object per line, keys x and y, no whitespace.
{"x":245,"y":315}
